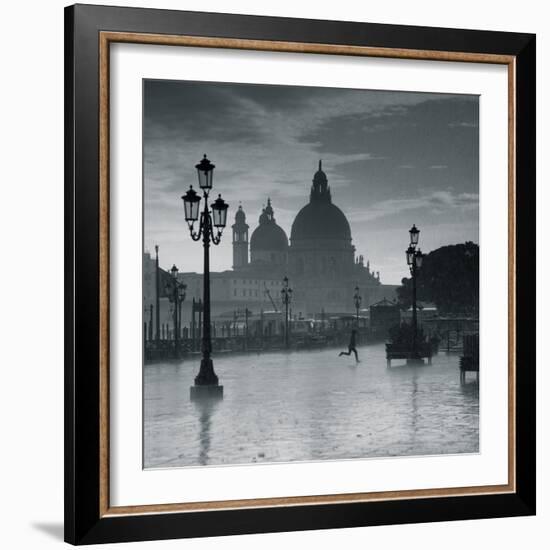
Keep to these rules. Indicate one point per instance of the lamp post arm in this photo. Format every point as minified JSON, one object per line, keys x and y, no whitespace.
{"x":217,"y":236}
{"x":216,"y":239}
{"x":195,"y":235}
{"x":215,"y":233}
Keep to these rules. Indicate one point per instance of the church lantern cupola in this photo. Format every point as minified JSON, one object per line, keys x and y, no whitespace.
{"x":320,"y":191}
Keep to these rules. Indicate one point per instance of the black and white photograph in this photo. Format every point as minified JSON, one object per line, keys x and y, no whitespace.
{"x":310,"y":273}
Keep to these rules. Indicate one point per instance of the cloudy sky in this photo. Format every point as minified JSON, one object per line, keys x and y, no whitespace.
{"x":392,"y":159}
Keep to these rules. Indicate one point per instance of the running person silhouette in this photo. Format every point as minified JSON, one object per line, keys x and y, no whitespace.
{"x":351,"y":346}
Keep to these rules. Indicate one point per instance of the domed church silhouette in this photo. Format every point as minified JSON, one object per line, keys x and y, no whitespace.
{"x":320,"y":260}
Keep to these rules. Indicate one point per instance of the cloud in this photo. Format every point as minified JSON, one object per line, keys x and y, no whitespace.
{"x":435,"y":200}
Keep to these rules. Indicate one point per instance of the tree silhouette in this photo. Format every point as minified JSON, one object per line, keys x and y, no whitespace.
{"x":449,"y":278}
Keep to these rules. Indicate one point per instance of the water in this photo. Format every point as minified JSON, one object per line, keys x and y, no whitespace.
{"x":281,"y":407}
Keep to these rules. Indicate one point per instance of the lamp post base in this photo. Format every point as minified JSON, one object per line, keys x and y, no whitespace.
{"x":206,"y":382}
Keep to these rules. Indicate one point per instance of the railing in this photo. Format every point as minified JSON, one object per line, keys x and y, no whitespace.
{"x":164,"y":349}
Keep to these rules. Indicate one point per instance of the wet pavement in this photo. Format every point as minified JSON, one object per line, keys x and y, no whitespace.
{"x":281,"y":407}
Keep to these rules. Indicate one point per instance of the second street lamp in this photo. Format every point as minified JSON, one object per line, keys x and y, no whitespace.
{"x":414,"y":261}
{"x":357,"y":299}
{"x":211,"y":224}
{"x":176,"y":294}
{"x":286,"y":297}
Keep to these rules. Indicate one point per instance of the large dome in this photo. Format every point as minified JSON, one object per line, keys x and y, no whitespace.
{"x":320,"y":220}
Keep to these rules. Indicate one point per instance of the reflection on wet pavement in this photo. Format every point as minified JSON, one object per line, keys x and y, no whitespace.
{"x":281,"y":407}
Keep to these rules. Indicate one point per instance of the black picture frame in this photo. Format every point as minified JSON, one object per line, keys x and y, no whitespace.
{"x":84,"y":522}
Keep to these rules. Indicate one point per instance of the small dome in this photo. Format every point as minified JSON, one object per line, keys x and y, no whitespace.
{"x":320,"y":220}
{"x":268,"y":235}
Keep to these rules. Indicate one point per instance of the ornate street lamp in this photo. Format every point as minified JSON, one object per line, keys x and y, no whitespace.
{"x":211,"y":224}
{"x":415,"y":234}
{"x":191,"y":202}
{"x":286,"y":297}
{"x":357,"y":299}
{"x":219,"y":213}
{"x":176,"y":294}
{"x":414,"y":261}
{"x":205,"y":171}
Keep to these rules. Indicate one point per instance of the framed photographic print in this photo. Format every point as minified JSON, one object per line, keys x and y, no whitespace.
{"x":299,"y":274}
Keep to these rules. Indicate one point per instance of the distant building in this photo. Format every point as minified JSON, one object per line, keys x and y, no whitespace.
{"x":234,"y":287}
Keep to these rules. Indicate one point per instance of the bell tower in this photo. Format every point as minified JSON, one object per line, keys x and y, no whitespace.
{"x":240,"y":240}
